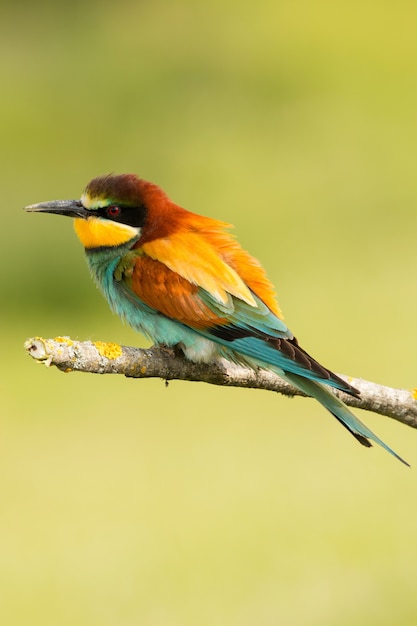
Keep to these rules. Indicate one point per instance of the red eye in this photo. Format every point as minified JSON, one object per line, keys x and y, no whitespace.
{"x":113,"y":211}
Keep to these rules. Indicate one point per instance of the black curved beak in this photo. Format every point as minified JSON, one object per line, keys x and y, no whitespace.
{"x":71,"y":208}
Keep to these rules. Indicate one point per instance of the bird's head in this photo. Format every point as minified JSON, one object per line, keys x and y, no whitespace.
{"x":114,"y":210}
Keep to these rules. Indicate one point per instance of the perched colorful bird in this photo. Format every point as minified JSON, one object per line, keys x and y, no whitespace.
{"x":182,"y":280}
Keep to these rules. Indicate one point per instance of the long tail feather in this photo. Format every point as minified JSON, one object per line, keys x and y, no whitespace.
{"x":340,"y":411}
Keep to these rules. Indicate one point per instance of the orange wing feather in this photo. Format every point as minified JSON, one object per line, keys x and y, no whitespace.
{"x":193,"y":257}
{"x":248,"y":268}
{"x":171,"y":294}
{"x":199,"y":249}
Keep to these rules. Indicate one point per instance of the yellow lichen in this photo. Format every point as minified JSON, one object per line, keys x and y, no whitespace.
{"x":108,"y":350}
{"x":414,"y":392}
{"x":143,"y":370}
{"x":65,"y":340}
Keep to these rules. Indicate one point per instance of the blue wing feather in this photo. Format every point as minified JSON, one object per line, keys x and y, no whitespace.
{"x":260,"y":335}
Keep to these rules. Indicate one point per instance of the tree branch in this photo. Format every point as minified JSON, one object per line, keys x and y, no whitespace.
{"x":161,"y":362}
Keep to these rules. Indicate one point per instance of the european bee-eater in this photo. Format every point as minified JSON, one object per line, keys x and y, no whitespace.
{"x":182,"y":280}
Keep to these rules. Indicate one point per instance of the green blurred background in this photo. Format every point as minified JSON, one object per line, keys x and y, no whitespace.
{"x":127,"y":503}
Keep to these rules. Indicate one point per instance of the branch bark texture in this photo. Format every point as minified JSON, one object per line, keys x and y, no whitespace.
{"x":160,"y":362}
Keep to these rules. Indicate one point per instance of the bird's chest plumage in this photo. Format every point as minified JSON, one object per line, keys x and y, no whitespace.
{"x":111,"y":274}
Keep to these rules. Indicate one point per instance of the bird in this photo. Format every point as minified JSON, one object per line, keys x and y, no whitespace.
{"x":183,"y":281}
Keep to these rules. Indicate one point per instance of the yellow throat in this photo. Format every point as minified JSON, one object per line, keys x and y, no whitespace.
{"x":95,"y":232}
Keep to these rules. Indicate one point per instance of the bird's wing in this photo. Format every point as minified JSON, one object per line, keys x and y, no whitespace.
{"x":169,"y":293}
{"x":195,"y":287}
{"x":203,"y":285}
{"x":192,"y":257}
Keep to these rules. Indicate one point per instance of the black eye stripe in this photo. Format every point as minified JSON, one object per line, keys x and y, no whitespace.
{"x":130,"y":215}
